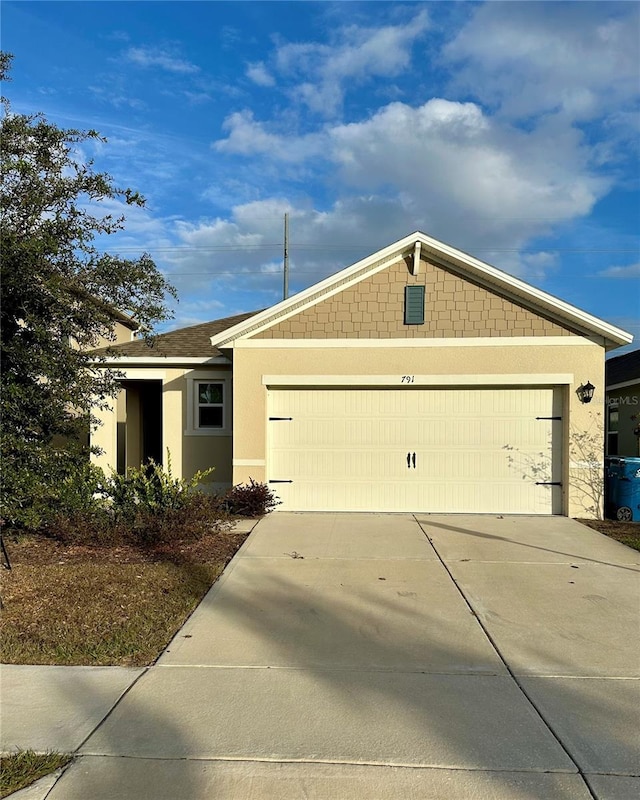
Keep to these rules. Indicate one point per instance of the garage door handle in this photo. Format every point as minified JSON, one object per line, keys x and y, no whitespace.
{"x":413,"y":458}
{"x":408,"y":460}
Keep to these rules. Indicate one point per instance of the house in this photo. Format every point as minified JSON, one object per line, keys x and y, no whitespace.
{"x":417,"y":379}
{"x":622,"y":380}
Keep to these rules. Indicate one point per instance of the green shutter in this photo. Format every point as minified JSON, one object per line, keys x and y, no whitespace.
{"x":414,"y":305}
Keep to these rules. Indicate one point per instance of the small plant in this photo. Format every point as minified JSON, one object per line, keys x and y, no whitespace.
{"x":250,"y":500}
{"x":150,"y":488}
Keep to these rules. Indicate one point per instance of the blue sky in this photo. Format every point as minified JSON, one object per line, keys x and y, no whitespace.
{"x":508,"y":130}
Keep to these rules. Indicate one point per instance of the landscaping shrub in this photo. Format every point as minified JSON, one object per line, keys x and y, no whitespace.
{"x":36,"y":493}
{"x":250,"y":500}
{"x":198,"y":515}
{"x":146,"y":506}
{"x":149,"y":488}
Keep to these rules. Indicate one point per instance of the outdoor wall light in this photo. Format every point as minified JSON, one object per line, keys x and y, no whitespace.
{"x":585,"y":392}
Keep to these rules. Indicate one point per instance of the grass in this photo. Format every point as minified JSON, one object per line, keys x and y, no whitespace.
{"x":120,"y":606}
{"x":24,"y":767}
{"x":626,"y":532}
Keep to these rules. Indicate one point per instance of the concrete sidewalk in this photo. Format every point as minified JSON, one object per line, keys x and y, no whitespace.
{"x":378,"y":656}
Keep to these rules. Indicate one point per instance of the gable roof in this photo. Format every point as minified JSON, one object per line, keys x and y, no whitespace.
{"x":622,"y":369}
{"x":448,"y":257}
{"x":191,"y":342}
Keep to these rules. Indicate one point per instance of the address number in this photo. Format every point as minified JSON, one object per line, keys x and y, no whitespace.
{"x":408,"y":379}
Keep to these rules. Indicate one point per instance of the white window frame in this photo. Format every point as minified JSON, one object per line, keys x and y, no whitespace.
{"x":193,"y":427}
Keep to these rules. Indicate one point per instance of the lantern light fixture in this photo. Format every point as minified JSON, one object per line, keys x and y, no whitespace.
{"x":585,"y":392}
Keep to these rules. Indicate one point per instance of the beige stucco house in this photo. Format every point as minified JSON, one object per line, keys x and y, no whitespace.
{"x":418,"y":379}
{"x":623,"y":405}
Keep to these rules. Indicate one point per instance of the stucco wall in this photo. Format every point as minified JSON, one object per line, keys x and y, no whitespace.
{"x":583,"y":424}
{"x":374,"y":309}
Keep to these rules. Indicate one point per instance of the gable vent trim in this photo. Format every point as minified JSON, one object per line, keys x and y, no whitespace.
{"x":414,"y":305}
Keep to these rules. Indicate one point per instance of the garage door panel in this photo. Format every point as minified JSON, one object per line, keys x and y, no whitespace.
{"x":477,"y":450}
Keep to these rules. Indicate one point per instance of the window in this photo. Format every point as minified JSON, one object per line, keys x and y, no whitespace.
{"x":613,"y":415}
{"x":208,"y":404}
{"x":210,"y":399}
{"x":414,"y":305}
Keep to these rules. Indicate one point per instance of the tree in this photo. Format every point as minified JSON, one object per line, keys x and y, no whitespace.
{"x":59,"y":293}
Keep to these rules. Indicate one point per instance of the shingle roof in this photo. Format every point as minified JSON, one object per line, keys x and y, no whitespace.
{"x":191,"y":342}
{"x":623,"y":368}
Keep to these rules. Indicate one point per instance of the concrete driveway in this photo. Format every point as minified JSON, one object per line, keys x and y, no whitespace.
{"x":386,"y":656}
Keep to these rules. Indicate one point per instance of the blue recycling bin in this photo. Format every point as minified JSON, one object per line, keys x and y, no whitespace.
{"x":622,"y":488}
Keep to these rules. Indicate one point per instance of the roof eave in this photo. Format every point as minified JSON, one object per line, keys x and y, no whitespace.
{"x":156,"y":361}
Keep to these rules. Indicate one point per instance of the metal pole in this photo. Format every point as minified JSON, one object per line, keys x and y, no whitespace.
{"x":285,"y":289}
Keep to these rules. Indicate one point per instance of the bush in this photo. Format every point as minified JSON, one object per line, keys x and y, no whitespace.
{"x":198,"y":515}
{"x":149,"y":488}
{"x":250,"y":500}
{"x":35,"y":493}
{"x":144,"y":507}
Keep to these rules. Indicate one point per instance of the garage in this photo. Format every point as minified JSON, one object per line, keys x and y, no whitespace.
{"x":451,"y":450}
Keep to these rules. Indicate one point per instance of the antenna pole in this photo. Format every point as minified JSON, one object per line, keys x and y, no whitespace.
{"x":285,"y":288}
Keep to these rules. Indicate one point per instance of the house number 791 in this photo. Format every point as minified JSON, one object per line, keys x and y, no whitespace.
{"x":407,"y":379}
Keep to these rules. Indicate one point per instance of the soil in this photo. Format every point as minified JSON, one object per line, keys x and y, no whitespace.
{"x":39,"y":550}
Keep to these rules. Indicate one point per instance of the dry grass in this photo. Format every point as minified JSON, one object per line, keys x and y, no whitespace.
{"x":23,"y":768}
{"x":626,"y":532}
{"x":103,"y":606}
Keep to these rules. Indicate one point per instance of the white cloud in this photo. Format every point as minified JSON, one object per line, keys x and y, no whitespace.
{"x":259,"y":74}
{"x":158,"y":57}
{"x":448,"y":169}
{"x":248,"y":137}
{"x":245,"y":250}
{"x":357,"y":54}
{"x":626,"y":272}
{"x":579,"y":59}
{"x":454,"y":162}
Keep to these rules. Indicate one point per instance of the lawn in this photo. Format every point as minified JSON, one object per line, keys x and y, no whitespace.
{"x":23,"y":768}
{"x":96,"y":606}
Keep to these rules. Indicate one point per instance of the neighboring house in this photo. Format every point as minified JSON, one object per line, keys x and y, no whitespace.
{"x":623,"y":405}
{"x":124,"y":329}
{"x":418,"y":379}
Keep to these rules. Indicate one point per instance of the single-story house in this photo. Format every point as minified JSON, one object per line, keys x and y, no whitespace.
{"x":622,"y":381}
{"x":417,"y":379}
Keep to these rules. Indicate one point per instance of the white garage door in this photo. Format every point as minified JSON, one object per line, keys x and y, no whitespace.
{"x":434,"y":450}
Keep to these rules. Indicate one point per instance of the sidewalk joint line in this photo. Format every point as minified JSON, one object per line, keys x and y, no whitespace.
{"x":111,"y":710}
{"x":332,"y":762}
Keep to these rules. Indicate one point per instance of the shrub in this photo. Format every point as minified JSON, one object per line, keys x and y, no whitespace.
{"x":149,"y":488}
{"x":250,"y":500}
{"x":147,"y":506}
{"x":57,"y":484}
{"x":198,"y":516}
